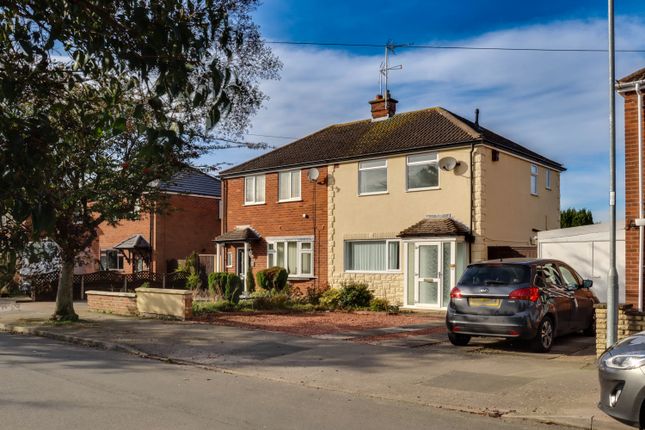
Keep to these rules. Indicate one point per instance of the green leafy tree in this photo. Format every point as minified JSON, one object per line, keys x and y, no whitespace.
{"x":98,"y":99}
{"x":575,"y":217}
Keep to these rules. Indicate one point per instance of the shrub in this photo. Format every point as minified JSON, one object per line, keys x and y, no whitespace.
{"x":354,"y":295}
{"x":251,"y":278}
{"x":196,"y":276}
{"x":145,"y":285}
{"x":330,"y":299}
{"x":203,"y":308}
{"x":226,"y":286}
{"x":313,"y":295}
{"x":193,"y":282}
{"x":266,"y":300}
{"x":273,"y":278}
{"x":379,"y":305}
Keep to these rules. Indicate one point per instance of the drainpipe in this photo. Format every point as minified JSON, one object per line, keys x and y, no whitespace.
{"x":641,"y":225}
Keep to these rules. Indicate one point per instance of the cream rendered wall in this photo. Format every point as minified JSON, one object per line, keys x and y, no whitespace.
{"x":383,"y":216}
{"x":510,"y":211}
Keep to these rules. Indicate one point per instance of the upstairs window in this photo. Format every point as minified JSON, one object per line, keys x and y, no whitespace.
{"x":254,"y":189}
{"x":289,"y":184}
{"x":422,"y":171}
{"x":534,"y":179}
{"x":111,"y":259}
{"x":548,"y":179}
{"x":372,"y":177}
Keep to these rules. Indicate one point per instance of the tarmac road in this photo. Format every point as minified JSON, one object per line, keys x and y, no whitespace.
{"x":51,"y":385}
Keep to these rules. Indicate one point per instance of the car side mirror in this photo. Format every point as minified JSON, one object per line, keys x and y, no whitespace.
{"x":587,"y":283}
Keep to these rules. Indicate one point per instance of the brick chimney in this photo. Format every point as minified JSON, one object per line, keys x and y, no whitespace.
{"x":379,"y":111}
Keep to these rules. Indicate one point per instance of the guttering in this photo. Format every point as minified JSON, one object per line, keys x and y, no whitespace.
{"x":640,"y":222}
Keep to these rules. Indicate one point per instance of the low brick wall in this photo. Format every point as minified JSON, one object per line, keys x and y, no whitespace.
{"x":630,"y":321}
{"x":160,"y":302}
{"x":112,"y":302}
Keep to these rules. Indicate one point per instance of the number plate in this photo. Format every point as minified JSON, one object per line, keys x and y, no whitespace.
{"x":489,"y":303}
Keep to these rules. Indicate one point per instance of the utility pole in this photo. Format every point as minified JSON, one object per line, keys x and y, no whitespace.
{"x":612,"y":290}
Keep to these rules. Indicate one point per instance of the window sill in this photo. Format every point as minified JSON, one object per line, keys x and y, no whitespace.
{"x":535,"y":195}
{"x":255,"y":204}
{"x":301,"y":277}
{"x":375,"y":272}
{"x":414,"y":190}
{"x":380,"y":193}
{"x":290,"y":200}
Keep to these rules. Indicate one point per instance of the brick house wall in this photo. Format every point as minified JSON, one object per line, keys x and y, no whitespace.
{"x":631,"y":198}
{"x":191,"y":225}
{"x":307,"y":217}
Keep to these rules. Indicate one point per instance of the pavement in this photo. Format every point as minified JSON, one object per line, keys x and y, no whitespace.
{"x":488,"y":377}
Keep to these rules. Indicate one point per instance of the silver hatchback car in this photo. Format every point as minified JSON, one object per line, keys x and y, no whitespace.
{"x":530,"y":299}
{"x":621,"y":370}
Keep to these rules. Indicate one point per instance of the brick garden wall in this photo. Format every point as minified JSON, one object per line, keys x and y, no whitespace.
{"x":112,"y":302}
{"x":282,"y":219}
{"x":630,"y":322}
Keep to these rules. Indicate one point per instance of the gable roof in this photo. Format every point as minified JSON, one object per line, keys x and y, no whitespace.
{"x":431,"y":128}
{"x":193,"y":181}
{"x":638,"y":75}
{"x":133,"y":242}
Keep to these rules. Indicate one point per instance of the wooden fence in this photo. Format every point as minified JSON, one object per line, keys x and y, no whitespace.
{"x":44,"y":287}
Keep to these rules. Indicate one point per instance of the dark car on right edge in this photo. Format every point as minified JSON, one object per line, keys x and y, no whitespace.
{"x":529,"y":299}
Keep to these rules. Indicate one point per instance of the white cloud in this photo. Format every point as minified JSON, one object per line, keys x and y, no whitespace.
{"x":553,"y":103}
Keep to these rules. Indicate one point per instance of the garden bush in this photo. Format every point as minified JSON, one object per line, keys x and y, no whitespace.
{"x":267,"y":300}
{"x":354,"y":295}
{"x":273,"y":278}
{"x":330,"y":299}
{"x":202,"y":308}
{"x":378,"y":304}
{"x":226,"y":286}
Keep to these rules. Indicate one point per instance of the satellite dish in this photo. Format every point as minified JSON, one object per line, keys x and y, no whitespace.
{"x":448,"y":163}
{"x":313,"y":174}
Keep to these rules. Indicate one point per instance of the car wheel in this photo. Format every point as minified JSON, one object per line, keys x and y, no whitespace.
{"x":458,"y":339}
{"x":591,"y":328}
{"x":543,"y":341}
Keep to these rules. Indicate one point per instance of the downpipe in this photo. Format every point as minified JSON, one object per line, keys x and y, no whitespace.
{"x":641,"y":225}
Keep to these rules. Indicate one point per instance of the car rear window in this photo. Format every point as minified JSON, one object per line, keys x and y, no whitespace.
{"x":496,"y":274}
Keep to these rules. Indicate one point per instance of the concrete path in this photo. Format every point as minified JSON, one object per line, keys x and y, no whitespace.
{"x":486,"y":378}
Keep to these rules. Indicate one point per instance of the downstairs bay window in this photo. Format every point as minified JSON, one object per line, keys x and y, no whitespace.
{"x":295,"y":255}
{"x":372,"y":256}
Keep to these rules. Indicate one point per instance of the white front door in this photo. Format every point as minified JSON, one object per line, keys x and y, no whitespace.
{"x":427,"y":274}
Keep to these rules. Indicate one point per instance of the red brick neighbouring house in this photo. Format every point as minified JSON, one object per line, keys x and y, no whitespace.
{"x":628,"y":87}
{"x":286,"y":225}
{"x":156,"y":241}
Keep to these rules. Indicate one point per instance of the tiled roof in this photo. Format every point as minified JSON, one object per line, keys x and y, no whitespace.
{"x":431,"y":128}
{"x":192,"y":181}
{"x":134,"y":242}
{"x":436,"y":226}
{"x":638,"y":75}
{"x":238,"y":235}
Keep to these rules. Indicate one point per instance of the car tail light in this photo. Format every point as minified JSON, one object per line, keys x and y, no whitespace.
{"x":455,"y":293}
{"x":530,"y":293}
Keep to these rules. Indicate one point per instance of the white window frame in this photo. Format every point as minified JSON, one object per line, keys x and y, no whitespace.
{"x":119,"y":259}
{"x":534,"y":176}
{"x":362,"y":169}
{"x":387,"y":256}
{"x":229,"y":259}
{"x":434,"y":162}
{"x":254,"y":179}
{"x":547,"y":176}
{"x":292,"y":198}
{"x":272,"y":254}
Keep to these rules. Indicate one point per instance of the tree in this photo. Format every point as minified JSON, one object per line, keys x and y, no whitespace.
{"x":575,"y":217}
{"x":100,"y":98}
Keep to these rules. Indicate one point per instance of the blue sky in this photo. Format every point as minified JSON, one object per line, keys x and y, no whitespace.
{"x":553,"y":103}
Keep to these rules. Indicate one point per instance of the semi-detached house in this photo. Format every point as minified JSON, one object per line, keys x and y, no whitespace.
{"x":402,"y":202}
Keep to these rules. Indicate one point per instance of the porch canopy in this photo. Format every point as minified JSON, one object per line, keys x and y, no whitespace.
{"x":436,"y":226}
{"x":135,"y":247}
{"x":245,"y":235}
{"x":238,"y":235}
